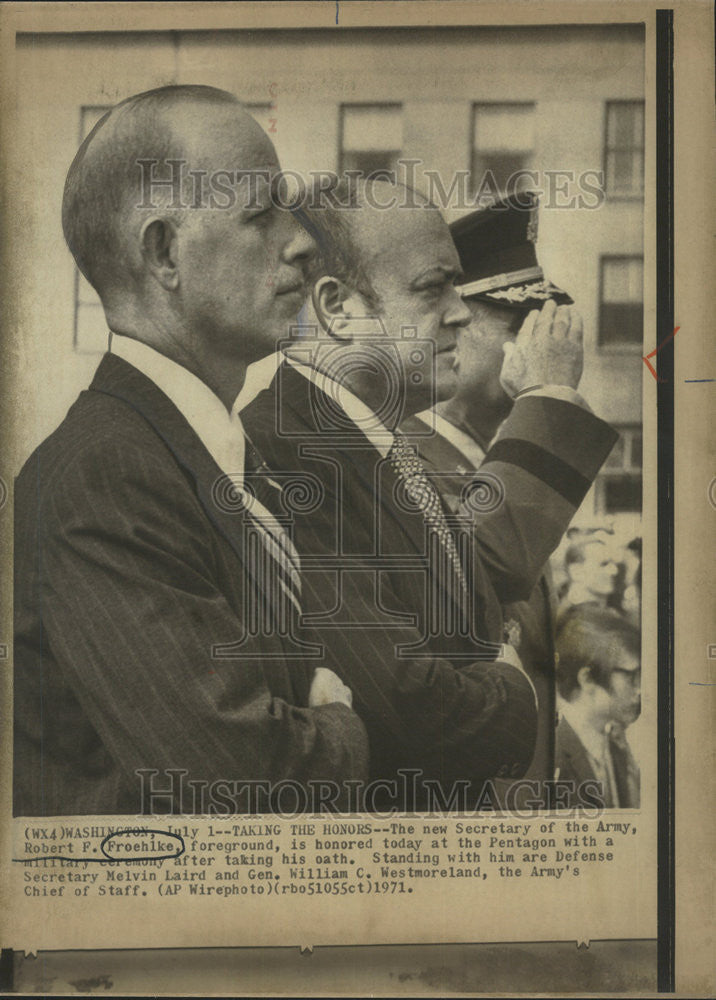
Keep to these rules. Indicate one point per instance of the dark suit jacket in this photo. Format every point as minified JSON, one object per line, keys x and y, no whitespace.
{"x":127,"y":573}
{"x":426,"y":698}
{"x":573,"y":765}
{"x":534,"y":618}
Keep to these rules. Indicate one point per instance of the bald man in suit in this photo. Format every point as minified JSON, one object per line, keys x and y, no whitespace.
{"x":387,"y":571}
{"x":151,"y":654}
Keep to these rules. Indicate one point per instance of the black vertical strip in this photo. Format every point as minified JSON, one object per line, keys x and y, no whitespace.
{"x":7,"y":970}
{"x":665,"y":490}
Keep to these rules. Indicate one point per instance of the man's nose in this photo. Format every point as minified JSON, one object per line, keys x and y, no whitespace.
{"x":301,"y":247}
{"x":458,"y":312}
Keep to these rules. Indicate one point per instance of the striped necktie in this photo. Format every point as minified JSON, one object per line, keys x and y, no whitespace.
{"x":283,"y":568}
{"x":411,"y":472}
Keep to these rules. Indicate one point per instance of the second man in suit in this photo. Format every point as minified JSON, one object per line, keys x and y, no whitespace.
{"x":406,"y":598}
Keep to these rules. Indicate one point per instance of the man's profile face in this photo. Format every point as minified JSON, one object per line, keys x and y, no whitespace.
{"x":413,"y":266}
{"x":625,"y":691}
{"x":598,"y":571}
{"x":241,"y":266}
{"x":480,"y":354}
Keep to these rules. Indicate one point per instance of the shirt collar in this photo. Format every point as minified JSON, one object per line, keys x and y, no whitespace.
{"x":467,"y":445}
{"x":595,"y":743}
{"x":261,"y":374}
{"x":220,"y":432}
{"x":362,"y":416}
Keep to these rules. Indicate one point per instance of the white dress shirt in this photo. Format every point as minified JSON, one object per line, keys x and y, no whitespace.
{"x":457,"y":437}
{"x":220,"y":431}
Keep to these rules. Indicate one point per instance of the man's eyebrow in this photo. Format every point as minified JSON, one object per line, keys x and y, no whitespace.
{"x":254,"y":189}
{"x":439,"y":271}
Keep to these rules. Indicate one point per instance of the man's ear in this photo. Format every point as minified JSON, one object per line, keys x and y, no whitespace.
{"x":334,"y":304}
{"x":584,"y":677}
{"x":159,"y":250}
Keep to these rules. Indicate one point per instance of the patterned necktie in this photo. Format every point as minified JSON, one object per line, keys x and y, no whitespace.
{"x":411,"y":472}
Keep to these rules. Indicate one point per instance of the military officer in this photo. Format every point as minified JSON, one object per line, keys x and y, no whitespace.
{"x":502,"y":283}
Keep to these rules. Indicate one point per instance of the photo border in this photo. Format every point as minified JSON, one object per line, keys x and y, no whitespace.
{"x":665,"y":393}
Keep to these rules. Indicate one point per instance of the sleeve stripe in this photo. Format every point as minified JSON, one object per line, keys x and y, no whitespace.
{"x":550,"y":469}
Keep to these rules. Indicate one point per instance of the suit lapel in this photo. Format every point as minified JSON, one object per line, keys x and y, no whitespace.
{"x":625,"y":772}
{"x":570,"y":746}
{"x":115,"y":377}
{"x":287,"y":420}
{"x":330,"y":433}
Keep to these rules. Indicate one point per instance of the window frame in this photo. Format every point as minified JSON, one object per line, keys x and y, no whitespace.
{"x":607,"y":149}
{"x":473,"y":151}
{"x":392,"y":105}
{"x":622,"y":347}
{"x":628,"y":432}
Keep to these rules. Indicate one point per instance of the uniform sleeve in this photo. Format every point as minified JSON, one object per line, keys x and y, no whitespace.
{"x":533,"y":478}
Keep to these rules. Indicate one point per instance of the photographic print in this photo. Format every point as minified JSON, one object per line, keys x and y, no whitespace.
{"x":342,"y":402}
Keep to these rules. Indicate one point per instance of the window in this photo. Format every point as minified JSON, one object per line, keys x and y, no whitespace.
{"x":91,"y":333}
{"x":621,"y":309}
{"x":618,"y":487}
{"x":624,"y":148}
{"x":371,"y":137}
{"x":503,"y":144}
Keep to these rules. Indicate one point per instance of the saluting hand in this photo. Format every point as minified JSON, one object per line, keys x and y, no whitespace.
{"x":548,"y":350}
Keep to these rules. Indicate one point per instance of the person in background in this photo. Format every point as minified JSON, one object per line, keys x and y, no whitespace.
{"x":599,"y":683}
{"x":592,"y":571}
{"x":631,"y":598}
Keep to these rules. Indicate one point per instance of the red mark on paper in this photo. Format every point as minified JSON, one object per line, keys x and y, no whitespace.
{"x":273,"y":93}
{"x":656,"y":350}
